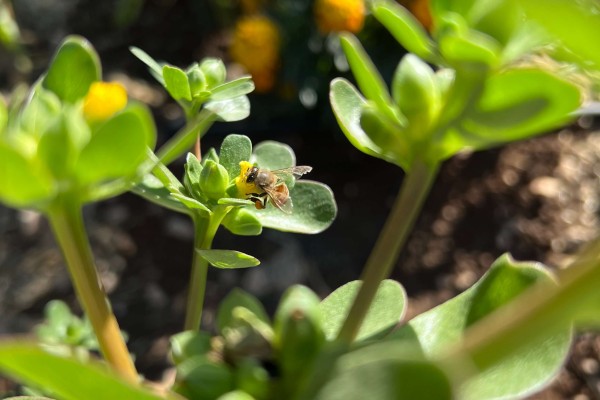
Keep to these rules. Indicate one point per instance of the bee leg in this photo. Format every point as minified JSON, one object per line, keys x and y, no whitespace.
{"x":260,"y":200}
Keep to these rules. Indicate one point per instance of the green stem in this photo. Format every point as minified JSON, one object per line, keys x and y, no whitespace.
{"x":205,"y":230}
{"x":67,"y":222}
{"x":405,"y":210}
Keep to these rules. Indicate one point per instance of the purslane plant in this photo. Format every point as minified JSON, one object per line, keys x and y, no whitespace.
{"x":481,"y":344}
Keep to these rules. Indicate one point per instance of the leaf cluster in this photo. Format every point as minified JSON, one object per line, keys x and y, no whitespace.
{"x":476,"y":98}
{"x":48,"y":148}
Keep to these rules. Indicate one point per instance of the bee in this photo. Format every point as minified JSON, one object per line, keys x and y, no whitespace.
{"x":272,"y":184}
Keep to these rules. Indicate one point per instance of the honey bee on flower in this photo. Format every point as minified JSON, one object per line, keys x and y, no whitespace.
{"x":261,"y":185}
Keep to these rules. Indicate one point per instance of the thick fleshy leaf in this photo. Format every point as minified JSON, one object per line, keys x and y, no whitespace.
{"x":74,"y":67}
{"x":61,"y":142}
{"x":236,"y":395}
{"x":560,"y":18}
{"x":155,"y":67}
{"x":273,"y":155}
{"x":228,"y":259}
{"x":239,"y":298}
{"x":347,"y":105}
{"x":235,"y":148}
{"x":188,"y":344}
{"x":385,"y":312}
{"x":367,"y":77}
{"x":176,"y":82}
{"x":522,"y":370}
{"x":405,"y":28}
{"x":518,"y":104}
{"x":192,"y":204}
{"x":230,"y":110}
{"x":314,"y":210}
{"x":472,"y":48}
{"x":153,"y":190}
{"x":201,"y":378}
{"x":29,"y":364}
{"x":231,"y":89}
{"x":384,"y":371}
{"x":22,"y":181}
{"x":118,"y":147}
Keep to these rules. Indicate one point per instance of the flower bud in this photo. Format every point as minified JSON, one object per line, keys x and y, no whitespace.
{"x":243,"y":222}
{"x":213,"y":180}
{"x":197,"y":80}
{"x":214,"y":71}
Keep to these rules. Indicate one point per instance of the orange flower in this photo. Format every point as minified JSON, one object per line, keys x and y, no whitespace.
{"x":103,"y":100}
{"x":256,"y":46}
{"x":339,"y":15}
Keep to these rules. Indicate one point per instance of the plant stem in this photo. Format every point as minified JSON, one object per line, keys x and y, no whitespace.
{"x":405,"y":210}
{"x":67,"y":222}
{"x":205,"y":230}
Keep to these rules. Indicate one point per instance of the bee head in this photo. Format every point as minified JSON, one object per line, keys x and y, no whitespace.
{"x":251,"y":175}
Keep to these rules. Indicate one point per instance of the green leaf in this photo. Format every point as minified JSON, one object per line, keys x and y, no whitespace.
{"x":235,"y":148}
{"x":192,"y":204}
{"x":22,"y":182}
{"x":347,"y":105}
{"x":39,"y":112}
{"x":228,"y":259}
{"x":230,"y":110}
{"x":407,"y":30}
{"x":200,"y":378}
{"x":117,"y":147}
{"x":153,"y":190}
{"x":236,"y":395}
{"x":385,"y":371}
{"x":560,"y":18}
{"x":31,"y":365}
{"x":176,"y":82}
{"x":62,"y":141}
{"x":369,"y":81}
{"x":239,"y":298}
{"x":385,"y":312}
{"x":273,"y":155}
{"x":155,"y":67}
{"x":471,"y":48}
{"x":3,"y":116}
{"x":231,"y":89}
{"x":518,"y":104}
{"x":232,"y":201}
{"x":241,"y":221}
{"x":188,"y":344}
{"x":191,"y":177}
{"x":314,"y":210}
{"x":522,"y":370}
{"x":74,"y":67}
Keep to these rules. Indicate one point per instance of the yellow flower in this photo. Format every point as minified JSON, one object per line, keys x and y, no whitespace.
{"x":103,"y":100}
{"x":339,"y":15}
{"x":255,"y":45}
{"x":244,"y":188}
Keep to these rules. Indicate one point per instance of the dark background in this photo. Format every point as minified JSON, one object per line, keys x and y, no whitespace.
{"x":537,"y":199}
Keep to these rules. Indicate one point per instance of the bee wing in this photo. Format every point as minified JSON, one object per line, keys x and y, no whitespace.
{"x":296,"y":172}
{"x":279,"y":199}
